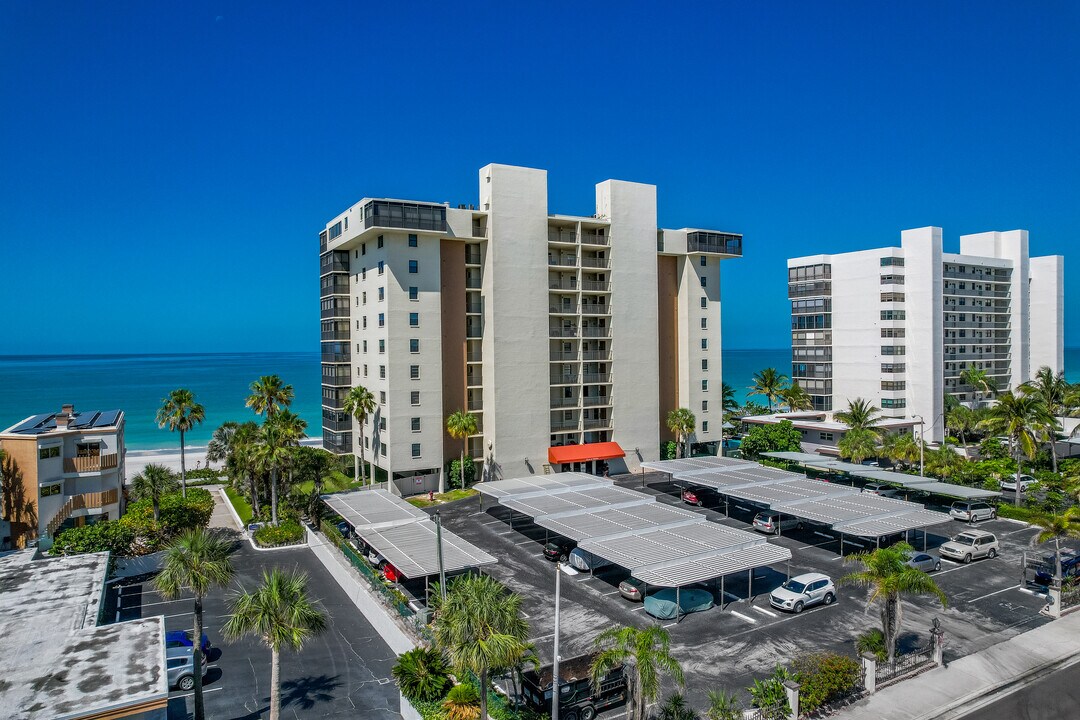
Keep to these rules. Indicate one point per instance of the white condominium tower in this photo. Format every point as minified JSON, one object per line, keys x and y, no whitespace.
{"x":570,"y":338}
{"x":899,"y":325}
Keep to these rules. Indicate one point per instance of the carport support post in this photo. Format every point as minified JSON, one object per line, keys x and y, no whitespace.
{"x":722,"y":593}
{"x":555,"y":685}
{"x":438,"y":550}
{"x":750,"y":584}
{"x":678,"y":605}
{"x":841,"y":544}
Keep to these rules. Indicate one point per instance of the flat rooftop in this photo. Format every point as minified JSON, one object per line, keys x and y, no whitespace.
{"x":55,"y":661}
{"x":82,"y":421}
{"x":818,"y":421}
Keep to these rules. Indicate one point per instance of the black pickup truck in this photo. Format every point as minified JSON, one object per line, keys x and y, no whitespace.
{"x":578,"y":699}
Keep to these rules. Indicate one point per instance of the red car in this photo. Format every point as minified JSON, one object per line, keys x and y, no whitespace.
{"x":699,"y":496}
{"x":391,"y":573}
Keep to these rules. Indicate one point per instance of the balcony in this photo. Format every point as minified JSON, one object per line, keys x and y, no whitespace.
{"x":595,"y":309}
{"x":595,"y":239}
{"x":956,"y":292}
{"x":564,"y":261}
{"x":713,"y":242}
{"x":335,"y":311}
{"x":472,"y":256}
{"x":341,"y":379}
{"x":564,"y":378}
{"x":563,"y":309}
{"x":337,"y":425}
{"x":335,"y":401}
{"x":798,"y":290}
{"x":474,"y":282}
{"x":84,"y":501}
{"x":594,"y":423}
{"x":604,"y":355}
{"x":564,"y":332}
{"x":335,"y":357}
{"x":567,"y":237}
{"x":407,"y":216}
{"x":596,"y":332}
{"x":334,"y":262}
{"x":596,"y":378}
{"x":568,"y":284}
{"x":337,"y":443}
{"x":473,"y":331}
{"x":338,"y":288}
{"x":595,"y":262}
{"x":596,"y":400}
{"x":564,"y":424}
{"x":90,"y":464}
{"x":335,"y":334}
{"x":474,"y":379}
{"x":975,"y":277}
{"x":474,"y":308}
{"x":564,"y":402}
{"x":474,"y":357}
{"x":596,"y":286}
{"x":557,"y":356}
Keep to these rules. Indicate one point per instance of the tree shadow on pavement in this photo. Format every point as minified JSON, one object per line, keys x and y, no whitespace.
{"x":305,"y":692}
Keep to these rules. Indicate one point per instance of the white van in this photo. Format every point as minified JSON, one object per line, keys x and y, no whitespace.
{"x":586,"y":561}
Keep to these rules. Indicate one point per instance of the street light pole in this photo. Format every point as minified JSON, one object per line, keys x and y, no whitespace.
{"x":438,"y":551}
{"x":555,"y":663}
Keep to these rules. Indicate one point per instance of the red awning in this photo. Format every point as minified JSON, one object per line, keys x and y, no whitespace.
{"x":581,"y":453}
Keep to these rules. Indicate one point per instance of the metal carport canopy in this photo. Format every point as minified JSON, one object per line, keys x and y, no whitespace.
{"x":690,"y":464}
{"x":607,"y":522}
{"x":962,"y":492}
{"x":555,"y":482}
{"x":730,"y":478}
{"x":686,"y":572}
{"x":798,"y":457}
{"x":853,"y":508}
{"x":790,"y":494}
{"x":366,"y":509}
{"x":892,"y":523}
{"x":569,"y":501}
{"x":896,"y":478}
{"x":412,"y":550}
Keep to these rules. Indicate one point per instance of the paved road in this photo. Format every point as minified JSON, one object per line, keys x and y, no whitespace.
{"x":342,"y":673}
{"x":1053,"y":697}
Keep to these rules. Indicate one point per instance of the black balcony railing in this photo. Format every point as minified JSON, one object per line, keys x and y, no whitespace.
{"x":408,"y":216}
{"x":712,"y":242}
{"x":337,"y":442}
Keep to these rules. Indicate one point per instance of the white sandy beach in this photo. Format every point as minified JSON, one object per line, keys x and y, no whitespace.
{"x":195,"y":457}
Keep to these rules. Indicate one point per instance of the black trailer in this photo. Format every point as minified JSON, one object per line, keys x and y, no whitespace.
{"x":578,"y":699}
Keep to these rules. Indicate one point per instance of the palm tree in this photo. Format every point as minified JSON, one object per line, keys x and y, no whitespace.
{"x":280,"y":613}
{"x":1056,"y":527}
{"x":860,"y":415}
{"x":271,"y":453}
{"x":220,"y":447}
{"x":1019,"y":417}
{"x":887,"y":576}
{"x":462,"y":703}
{"x":858,"y":444}
{"x":460,"y":425}
{"x":153,"y":482}
{"x":1052,"y":390}
{"x":197,"y":561}
{"x":422,"y":674}
{"x":676,"y":708}
{"x":796,"y":398}
{"x":944,"y":462}
{"x":962,"y":420}
{"x":480,"y":628}
{"x":682,"y":422}
{"x":293,"y":430}
{"x":360,"y":403}
{"x":978,"y":381}
{"x":644,"y":655}
{"x":181,"y":413}
{"x":902,"y":448}
{"x":243,"y":460}
{"x":724,"y":705}
{"x":268,"y":395}
{"x":727,"y":398}
{"x":769,"y":382}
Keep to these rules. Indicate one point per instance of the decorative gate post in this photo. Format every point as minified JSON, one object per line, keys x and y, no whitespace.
{"x":869,"y":663}
{"x":792,"y":689}
{"x":937,"y":640}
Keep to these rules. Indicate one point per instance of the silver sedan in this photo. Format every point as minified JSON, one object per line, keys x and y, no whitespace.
{"x":925,"y":562}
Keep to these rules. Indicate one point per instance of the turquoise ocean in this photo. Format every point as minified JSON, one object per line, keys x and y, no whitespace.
{"x":136,"y":384}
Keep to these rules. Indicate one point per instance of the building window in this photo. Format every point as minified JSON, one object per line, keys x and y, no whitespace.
{"x":47,"y":490}
{"x":414,"y":319}
{"x":702,"y":281}
{"x":382,"y":267}
{"x":414,"y":345}
{"x":416,"y":450}
{"x":412,"y":240}
{"x":382,"y":397}
{"x":382,"y":372}
{"x":414,"y":372}
{"x":382,"y":294}
{"x":704,"y":343}
{"x":704,"y":364}
{"x":704,"y":303}
{"x":704,"y":426}
{"x":704,"y":386}
{"x":704,"y":262}
{"x":382,"y":320}
{"x":364,"y":321}
{"x":380,"y":241}
{"x":382,"y":424}
{"x":414,"y":267}
{"x":363,"y":273}
{"x":414,"y":397}
{"x":365,"y":346}
{"x":826,"y":436}
{"x":893,"y":403}
{"x":704,"y":406}
{"x":49,"y":452}
{"x":363,"y":248}
{"x":382,"y":346}
{"x":416,"y":424}
{"x":363,"y":297}
{"x":704,"y":323}
{"x":382,"y":450}
{"x":365,"y":370}
{"x":346,"y":223}
{"x":414,"y":293}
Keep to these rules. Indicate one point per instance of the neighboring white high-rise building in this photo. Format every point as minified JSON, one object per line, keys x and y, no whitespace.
{"x":570,"y":338}
{"x":898,"y":325}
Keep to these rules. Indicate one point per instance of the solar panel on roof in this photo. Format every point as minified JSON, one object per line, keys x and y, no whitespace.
{"x":107,"y":418}
{"x":31,"y":423}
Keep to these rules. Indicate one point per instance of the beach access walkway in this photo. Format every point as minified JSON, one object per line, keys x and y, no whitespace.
{"x":222,"y":517}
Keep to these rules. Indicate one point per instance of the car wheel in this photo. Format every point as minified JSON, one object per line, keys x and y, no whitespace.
{"x":829,"y":597}
{"x":798,"y":608}
{"x":588,"y":712}
{"x":993,"y":514}
{"x":937,"y":565}
{"x":967,"y":558}
{"x":186,"y":683}
{"x":991,"y":553}
{"x":571,"y":715}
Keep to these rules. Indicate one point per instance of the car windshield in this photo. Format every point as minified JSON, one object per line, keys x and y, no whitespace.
{"x":794,"y":586}
{"x":964,"y":539}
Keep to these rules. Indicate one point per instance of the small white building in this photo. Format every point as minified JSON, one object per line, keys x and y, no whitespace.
{"x":898,"y":325}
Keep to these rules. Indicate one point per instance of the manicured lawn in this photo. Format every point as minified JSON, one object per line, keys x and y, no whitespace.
{"x":337,"y":482}
{"x":242,"y":507}
{"x":450,"y":496}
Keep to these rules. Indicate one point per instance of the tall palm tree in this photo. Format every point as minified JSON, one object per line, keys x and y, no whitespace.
{"x":268,"y":395}
{"x":360,"y":403}
{"x":281,"y":614}
{"x":857,"y":445}
{"x":197,"y":561}
{"x":645,"y":656}
{"x":1057,"y":527}
{"x":273,"y":451}
{"x":1019,"y":417}
{"x":460,"y":425}
{"x":1052,"y":390}
{"x":796,"y":398}
{"x":293,"y":430}
{"x":861,"y":414}
{"x":727,"y":398}
{"x":902,"y":448}
{"x":769,"y":382}
{"x":243,"y":460}
{"x":682,"y":422}
{"x":887,"y":576}
{"x":220,"y":447}
{"x":181,"y":413}
{"x":977,"y":379}
{"x":153,"y":482}
{"x":480,"y":628}
{"x":962,"y":420}
{"x":944,"y":462}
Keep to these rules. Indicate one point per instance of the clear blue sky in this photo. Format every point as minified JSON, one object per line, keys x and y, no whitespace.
{"x":165,"y":167}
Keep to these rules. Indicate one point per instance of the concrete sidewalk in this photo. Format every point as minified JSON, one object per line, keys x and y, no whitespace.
{"x":972,"y":682}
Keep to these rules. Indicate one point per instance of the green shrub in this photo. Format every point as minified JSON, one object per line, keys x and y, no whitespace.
{"x":240,"y":505}
{"x":991,"y":449}
{"x":110,"y":535}
{"x":422,"y":674}
{"x":873,"y":642}
{"x":428,"y":710}
{"x":671,"y":450}
{"x":455,"y":473}
{"x":208,"y":474}
{"x":770,"y":692}
{"x":824,"y":677}
{"x":332,"y":534}
{"x":462,"y":703}
{"x":777,"y":437}
{"x":286,"y":532}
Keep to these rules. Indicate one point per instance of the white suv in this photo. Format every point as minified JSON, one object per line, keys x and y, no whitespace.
{"x":970,"y":545}
{"x":803,"y":591}
{"x":972,"y":512}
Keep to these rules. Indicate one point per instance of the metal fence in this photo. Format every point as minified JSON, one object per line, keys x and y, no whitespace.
{"x":780,"y":711}
{"x":904,"y":664}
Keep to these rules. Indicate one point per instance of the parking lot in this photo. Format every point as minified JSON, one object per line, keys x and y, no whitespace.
{"x":340,"y":673}
{"x":730,"y":645}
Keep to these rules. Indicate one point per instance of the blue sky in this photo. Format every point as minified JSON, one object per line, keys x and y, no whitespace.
{"x":165,"y":167}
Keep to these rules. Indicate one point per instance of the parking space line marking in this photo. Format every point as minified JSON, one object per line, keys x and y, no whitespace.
{"x":763,"y":610}
{"x":638,"y":608}
{"x":187,"y":695}
{"x":1010,"y":520}
{"x":824,"y":535}
{"x":804,"y":547}
{"x":613,"y":592}
{"x":996,"y":592}
{"x":953,"y":569}
{"x":542,"y":637}
{"x":672,"y":624}
{"x":162,"y":602}
{"x":524,"y":542}
{"x":744,"y":617}
{"x":182,"y":614}
{"x":508,"y":532}
{"x":804,"y":613}
{"x":525,"y":615}
{"x":1023,"y":529}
